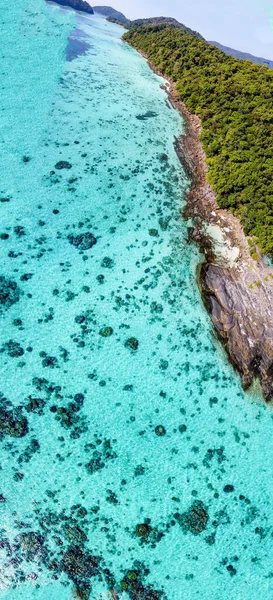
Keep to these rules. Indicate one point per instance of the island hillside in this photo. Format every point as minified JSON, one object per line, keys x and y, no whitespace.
{"x":165,"y":21}
{"x":111,"y":14}
{"x":233,"y":99}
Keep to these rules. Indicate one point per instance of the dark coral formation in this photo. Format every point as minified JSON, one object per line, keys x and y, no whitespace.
{"x":63,"y":164}
{"x":12,"y":420}
{"x":195,"y":519}
{"x":9,"y":293}
{"x":83,"y":241}
{"x":107,"y":262}
{"x":132,"y":343}
{"x":31,"y":544}
{"x":13,"y":349}
{"x":143,"y":530}
{"x":100,"y":457}
{"x":134,"y":586}
{"x":160,"y":430}
{"x":106,"y":332}
{"x":148,"y":534}
{"x":29,"y":451}
{"x":80,"y":566}
{"x":69,"y":417}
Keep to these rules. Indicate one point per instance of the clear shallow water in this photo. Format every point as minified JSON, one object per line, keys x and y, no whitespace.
{"x":91,"y":467}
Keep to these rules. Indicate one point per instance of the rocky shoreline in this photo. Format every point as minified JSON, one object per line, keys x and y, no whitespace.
{"x":235,"y":281}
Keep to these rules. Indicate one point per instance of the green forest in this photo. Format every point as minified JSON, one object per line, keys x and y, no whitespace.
{"x":166,"y":21}
{"x":234,"y":99}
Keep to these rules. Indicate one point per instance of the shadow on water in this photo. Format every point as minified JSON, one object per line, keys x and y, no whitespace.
{"x":76,"y":46}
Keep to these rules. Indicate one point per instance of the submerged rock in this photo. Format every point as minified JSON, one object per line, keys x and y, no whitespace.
{"x":83,"y":241}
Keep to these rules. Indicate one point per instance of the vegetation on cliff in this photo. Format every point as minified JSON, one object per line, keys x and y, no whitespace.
{"x":233,"y":98}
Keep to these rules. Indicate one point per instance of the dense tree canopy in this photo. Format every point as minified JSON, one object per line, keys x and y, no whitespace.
{"x":234,"y":99}
{"x":166,"y":21}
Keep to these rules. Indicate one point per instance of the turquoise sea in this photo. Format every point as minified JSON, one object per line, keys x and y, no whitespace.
{"x":129,"y":452}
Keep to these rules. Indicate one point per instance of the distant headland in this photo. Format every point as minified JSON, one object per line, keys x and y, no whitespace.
{"x":77,"y":5}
